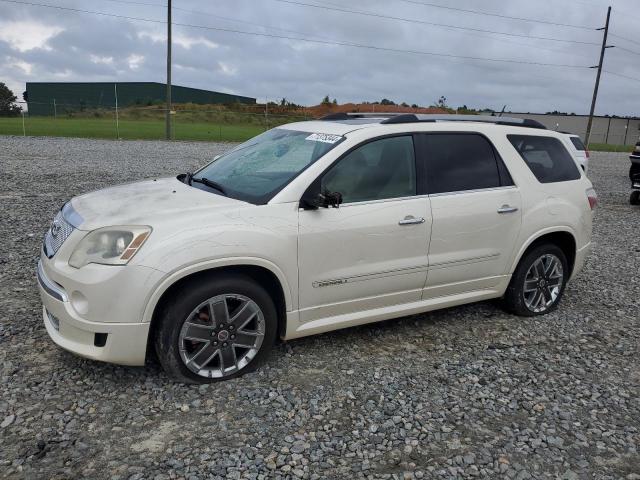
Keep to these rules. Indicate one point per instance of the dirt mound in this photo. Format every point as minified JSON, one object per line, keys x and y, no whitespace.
{"x":324,"y":109}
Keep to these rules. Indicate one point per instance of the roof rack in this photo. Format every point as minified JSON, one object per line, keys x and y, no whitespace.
{"x":354,"y":115}
{"x":511,"y":121}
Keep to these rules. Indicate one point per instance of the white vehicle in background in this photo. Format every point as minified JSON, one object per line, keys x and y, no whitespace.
{"x":635,"y":161}
{"x":312,"y":227}
{"x":578,"y":151}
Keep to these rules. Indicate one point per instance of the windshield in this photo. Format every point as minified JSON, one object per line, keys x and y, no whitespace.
{"x":259,"y":168}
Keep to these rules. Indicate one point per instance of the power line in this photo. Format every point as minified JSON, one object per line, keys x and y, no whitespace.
{"x":302,"y":39}
{"x":498,"y":15}
{"x":424,"y":22}
{"x":622,"y":75}
{"x":246,"y":22}
{"x":297,"y":32}
{"x":78,"y":10}
{"x":633,"y":52}
{"x":625,"y":38}
{"x":131,"y":2}
{"x":229,"y":19}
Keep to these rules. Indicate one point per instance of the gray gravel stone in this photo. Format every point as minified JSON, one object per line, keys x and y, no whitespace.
{"x":468,"y":392}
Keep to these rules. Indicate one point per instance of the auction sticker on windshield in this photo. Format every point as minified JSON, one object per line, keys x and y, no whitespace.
{"x":324,"y":138}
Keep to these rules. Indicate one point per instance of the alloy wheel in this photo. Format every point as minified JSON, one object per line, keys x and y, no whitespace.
{"x":543,"y":283}
{"x":221,"y":335}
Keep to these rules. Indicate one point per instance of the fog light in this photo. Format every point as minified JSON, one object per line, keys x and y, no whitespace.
{"x":55,"y":323}
{"x":80,"y":303}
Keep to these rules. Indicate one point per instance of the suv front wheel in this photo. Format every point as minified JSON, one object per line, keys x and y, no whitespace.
{"x":538,"y":283}
{"x":216,"y":328}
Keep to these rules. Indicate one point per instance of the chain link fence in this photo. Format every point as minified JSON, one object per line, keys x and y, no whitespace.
{"x":188,"y":122}
{"x":236,"y":123}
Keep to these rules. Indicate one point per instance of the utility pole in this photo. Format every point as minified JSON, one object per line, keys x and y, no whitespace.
{"x":266,"y":114}
{"x":168,"y":113}
{"x":626,"y":131}
{"x":599,"y":67}
{"x":115,"y":93}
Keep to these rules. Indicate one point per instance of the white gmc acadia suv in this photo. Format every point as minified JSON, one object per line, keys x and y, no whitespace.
{"x":311,"y":227}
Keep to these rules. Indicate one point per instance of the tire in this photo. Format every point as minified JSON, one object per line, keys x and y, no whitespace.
{"x":634,"y":198}
{"x":550,"y":285}
{"x":204,"y":351}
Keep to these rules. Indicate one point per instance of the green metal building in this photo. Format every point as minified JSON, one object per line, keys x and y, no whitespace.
{"x":49,"y":98}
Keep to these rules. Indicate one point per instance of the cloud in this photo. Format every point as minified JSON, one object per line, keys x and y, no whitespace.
{"x":135,"y":61}
{"x":27,"y":35}
{"x":40,"y":44}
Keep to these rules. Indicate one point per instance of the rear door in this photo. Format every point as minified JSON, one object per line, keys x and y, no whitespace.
{"x":476,"y":209}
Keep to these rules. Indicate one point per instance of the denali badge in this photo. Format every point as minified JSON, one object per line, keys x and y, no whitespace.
{"x":328,"y":283}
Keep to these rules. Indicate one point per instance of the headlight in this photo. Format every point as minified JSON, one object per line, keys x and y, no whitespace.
{"x":109,"y":246}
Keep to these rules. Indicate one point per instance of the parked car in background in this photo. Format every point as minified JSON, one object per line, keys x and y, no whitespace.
{"x":312,"y":227}
{"x":578,"y":151}
{"x":635,"y":161}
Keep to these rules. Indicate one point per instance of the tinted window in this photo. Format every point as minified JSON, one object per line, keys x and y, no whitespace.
{"x":380,"y":169}
{"x":577,"y":143}
{"x":546,"y":157}
{"x":458,"y":162}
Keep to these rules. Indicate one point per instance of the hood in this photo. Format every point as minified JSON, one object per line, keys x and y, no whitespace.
{"x":143,"y":203}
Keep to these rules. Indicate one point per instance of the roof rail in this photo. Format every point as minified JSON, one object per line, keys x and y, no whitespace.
{"x":510,"y":121}
{"x":354,"y":115}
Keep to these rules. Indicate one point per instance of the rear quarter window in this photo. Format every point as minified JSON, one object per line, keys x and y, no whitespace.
{"x":546,"y":157}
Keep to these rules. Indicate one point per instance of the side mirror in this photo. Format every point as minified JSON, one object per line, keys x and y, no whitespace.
{"x":322,"y":200}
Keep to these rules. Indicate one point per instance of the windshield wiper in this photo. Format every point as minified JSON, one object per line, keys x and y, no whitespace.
{"x":189,"y":179}
{"x":205,"y":181}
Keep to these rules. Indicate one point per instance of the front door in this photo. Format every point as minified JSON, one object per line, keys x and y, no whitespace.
{"x":372,"y":251}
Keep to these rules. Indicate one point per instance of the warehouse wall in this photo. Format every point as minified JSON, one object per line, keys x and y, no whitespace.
{"x":615,"y":131}
{"x":75,"y":96}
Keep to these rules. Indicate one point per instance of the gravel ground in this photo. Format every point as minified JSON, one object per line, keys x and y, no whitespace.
{"x":461,"y":393}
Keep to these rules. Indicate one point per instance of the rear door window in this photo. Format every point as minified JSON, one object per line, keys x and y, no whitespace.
{"x":462,"y":161}
{"x":546,"y":157}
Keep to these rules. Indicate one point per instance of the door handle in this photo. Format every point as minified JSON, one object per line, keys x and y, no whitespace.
{"x":411,"y":220}
{"x":507,"y":209}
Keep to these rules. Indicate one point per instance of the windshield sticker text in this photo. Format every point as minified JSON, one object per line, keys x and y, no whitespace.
{"x":323,"y":137}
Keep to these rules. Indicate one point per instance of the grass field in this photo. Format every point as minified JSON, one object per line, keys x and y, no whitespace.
{"x":149,"y":125}
{"x":128,"y":129}
{"x":604,"y":147}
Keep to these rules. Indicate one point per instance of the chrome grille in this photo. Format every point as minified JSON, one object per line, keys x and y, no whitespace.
{"x":56,"y":235}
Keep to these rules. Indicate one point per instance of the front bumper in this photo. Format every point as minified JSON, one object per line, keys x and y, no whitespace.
{"x":121,"y":343}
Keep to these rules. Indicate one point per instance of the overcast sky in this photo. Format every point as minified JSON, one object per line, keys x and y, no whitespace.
{"x":45,"y":44}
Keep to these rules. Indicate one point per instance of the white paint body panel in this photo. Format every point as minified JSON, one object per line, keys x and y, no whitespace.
{"x":471,"y":243}
{"x":358,"y":257}
{"x":337,"y":267}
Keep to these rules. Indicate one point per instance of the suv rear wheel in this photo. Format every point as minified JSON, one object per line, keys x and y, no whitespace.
{"x":216,"y":329}
{"x":538,"y":283}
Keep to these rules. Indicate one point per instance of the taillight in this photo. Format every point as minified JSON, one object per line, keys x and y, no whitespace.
{"x":592,"y":197}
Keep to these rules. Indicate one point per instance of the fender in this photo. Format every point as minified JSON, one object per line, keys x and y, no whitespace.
{"x":177,"y":275}
{"x":537,"y":235}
